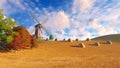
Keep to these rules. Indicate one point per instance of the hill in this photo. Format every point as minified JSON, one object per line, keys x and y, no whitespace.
{"x":112,"y":37}
{"x":64,"y":55}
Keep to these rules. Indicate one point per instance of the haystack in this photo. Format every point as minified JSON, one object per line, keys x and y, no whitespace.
{"x":97,"y":44}
{"x":81,"y":45}
{"x":64,"y":39}
{"x":46,"y":39}
{"x":70,"y":40}
{"x":109,"y":42}
{"x":88,"y":39}
{"x":56,"y":39}
{"x":77,"y":39}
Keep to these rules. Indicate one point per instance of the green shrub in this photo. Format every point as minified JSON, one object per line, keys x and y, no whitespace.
{"x":3,"y":46}
{"x":9,"y":39}
{"x":51,"y":37}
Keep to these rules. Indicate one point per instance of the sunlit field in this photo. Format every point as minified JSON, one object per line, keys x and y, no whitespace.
{"x":64,"y":55}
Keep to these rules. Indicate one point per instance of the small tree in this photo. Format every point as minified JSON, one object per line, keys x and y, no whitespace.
{"x":6,"y":30}
{"x":18,"y":43}
{"x":1,"y":15}
{"x":25,"y":35}
{"x":51,"y":37}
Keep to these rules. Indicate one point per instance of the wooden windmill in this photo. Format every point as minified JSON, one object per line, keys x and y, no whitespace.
{"x":39,"y":27}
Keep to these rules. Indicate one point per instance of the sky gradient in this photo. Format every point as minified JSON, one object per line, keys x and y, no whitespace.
{"x":67,"y":18}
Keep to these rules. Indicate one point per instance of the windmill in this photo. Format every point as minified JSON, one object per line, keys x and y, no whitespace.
{"x":39,"y":27}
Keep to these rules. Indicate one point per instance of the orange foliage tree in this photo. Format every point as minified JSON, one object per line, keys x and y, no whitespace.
{"x":18,"y":43}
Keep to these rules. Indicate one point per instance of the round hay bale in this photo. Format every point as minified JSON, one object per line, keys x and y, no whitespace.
{"x":64,"y":39}
{"x":88,"y":39}
{"x":56,"y":39}
{"x":97,"y":44}
{"x":70,"y":40}
{"x":46,"y":39}
{"x":77,"y":39}
{"x":82,"y":45}
{"x":109,"y":42}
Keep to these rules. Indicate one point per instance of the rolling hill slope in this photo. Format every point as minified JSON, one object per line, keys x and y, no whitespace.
{"x":112,"y":37}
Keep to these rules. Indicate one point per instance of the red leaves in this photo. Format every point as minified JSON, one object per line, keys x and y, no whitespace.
{"x":23,"y":39}
{"x":32,"y":37}
{"x":18,"y":43}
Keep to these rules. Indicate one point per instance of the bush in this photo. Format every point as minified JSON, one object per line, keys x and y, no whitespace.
{"x":22,"y":39}
{"x":14,"y":37}
{"x":9,"y":39}
{"x":51,"y":37}
{"x":25,"y":35}
{"x":3,"y":46}
{"x":18,"y":43}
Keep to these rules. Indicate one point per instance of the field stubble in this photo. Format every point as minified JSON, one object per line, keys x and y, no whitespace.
{"x":63,"y":55}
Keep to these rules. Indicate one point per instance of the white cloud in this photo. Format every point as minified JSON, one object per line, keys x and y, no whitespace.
{"x":100,"y":29}
{"x":98,"y":20}
{"x":31,"y":30}
{"x":57,"y":21}
{"x":18,"y":3}
{"x":82,"y":5}
{"x":104,"y":17}
{"x":2,"y":2}
{"x":74,"y":32}
{"x":75,"y":24}
{"x":11,"y":6}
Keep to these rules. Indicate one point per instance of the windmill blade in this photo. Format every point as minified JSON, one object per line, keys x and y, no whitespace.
{"x":45,"y":30}
{"x":32,"y":31}
{"x":34,"y":17}
{"x":45,"y":21}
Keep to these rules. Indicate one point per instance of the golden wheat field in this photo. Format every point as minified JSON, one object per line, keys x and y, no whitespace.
{"x":64,"y":55}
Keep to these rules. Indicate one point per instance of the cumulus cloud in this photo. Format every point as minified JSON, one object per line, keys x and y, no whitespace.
{"x":82,"y":5}
{"x":31,"y":30}
{"x":11,"y":6}
{"x":2,"y":2}
{"x":96,"y":17}
{"x":56,"y":24}
{"x":100,"y":29}
{"x":57,"y":21}
{"x":88,"y":18}
{"x":18,"y":4}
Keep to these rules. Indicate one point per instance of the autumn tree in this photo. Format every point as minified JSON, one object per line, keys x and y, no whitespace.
{"x":14,"y":37}
{"x":6,"y":29}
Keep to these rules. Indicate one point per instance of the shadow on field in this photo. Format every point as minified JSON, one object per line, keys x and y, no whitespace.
{"x":63,"y":41}
{"x":103,"y":43}
{"x":91,"y":44}
{"x":76,"y":46}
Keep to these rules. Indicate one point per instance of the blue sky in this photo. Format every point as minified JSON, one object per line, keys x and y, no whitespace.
{"x":67,"y":18}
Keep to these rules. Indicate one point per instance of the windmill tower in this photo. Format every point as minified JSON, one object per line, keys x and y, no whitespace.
{"x":39,"y":27}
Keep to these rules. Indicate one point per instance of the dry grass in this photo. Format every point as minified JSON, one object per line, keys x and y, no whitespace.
{"x":64,"y":55}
